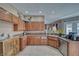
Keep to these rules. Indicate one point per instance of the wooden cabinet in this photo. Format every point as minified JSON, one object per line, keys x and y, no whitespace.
{"x":21,"y":25}
{"x":5,"y":15}
{"x":35,"y":26}
{"x":16,"y":45}
{"x":36,"y":40}
{"x":9,"y":47}
{"x":42,"y":26}
{"x":23,"y":42}
{"x":15,"y":27}
{"x":44,"y":41}
{"x":73,"y":48}
{"x":15,"y":19}
{"x":26,"y":26}
{"x":53,"y":41}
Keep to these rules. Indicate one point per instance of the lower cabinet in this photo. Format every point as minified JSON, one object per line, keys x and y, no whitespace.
{"x":36,"y":40}
{"x":9,"y":47}
{"x":53,"y":41}
{"x":16,"y":45}
{"x":73,"y":48}
{"x":23,"y":42}
{"x":44,"y":41}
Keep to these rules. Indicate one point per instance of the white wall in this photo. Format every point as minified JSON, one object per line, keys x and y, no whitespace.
{"x":6,"y":27}
{"x":36,"y":18}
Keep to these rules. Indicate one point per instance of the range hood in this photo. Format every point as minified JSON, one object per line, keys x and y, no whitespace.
{"x":28,"y":19}
{"x":25,"y":18}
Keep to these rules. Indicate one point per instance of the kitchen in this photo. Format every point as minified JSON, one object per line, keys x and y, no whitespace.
{"x":23,"y":25}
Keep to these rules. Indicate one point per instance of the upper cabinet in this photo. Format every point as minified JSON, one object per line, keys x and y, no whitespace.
{"x":36,"y":26}
{"x":35,"y":23}
{"x":21,"y":25}
{"x":5,"y":15}
{"x":15,"y":19}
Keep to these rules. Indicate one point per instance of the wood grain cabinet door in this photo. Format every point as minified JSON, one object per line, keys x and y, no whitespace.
{"x":44,"y":41}
{"x":15,"y":19}
{"x":5,"y":15}
{"x":1,"y":48}
{"x":8,"y":48}
{"x":53,"y":41}
{"x":36,"y":26}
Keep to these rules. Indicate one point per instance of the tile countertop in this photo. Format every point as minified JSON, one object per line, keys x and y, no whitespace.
{"x":67,"y":40}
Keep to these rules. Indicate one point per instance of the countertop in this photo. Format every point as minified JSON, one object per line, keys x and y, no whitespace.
{"x":65,"y":39}
{"x":11,"y":35}
{"x":21,"y":34}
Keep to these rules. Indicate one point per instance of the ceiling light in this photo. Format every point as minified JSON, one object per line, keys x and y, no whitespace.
{"x":40,"y":11}
{"x":26,"y":11}
{"x":53,"y":12}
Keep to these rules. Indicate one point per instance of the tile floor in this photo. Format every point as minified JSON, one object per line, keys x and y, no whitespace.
{"x":39,"y":51}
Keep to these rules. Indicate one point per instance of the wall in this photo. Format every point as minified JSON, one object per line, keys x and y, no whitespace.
{"x":74,"y":25}
{"x":6,"y":27}
{"x":74,"y":21}
{"x":36,"y":18}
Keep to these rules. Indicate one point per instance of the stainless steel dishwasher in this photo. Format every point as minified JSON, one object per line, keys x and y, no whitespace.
{"x":63,"y":47}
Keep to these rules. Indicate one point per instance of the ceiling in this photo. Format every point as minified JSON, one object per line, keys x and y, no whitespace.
{"x":51,"y":11}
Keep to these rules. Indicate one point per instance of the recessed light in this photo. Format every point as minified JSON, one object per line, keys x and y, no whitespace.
{"x":40,"y":11}
{"x":53,"y":12}
{"x":26,"y":12}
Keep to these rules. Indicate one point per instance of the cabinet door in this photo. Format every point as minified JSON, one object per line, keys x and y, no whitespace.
{"x":21,"y":25}
{"x":23,"y":42}
{"x":1,"y":48}
{"x":34,"y":40}
{"x":52,"y":41}
{"x":15,"y":27}
{"x":16,"y":45}
{"x":15,"y":19}
{"x":26,"y":26}
{"x":36,"y":26}
{"x":31,"y":40}
{"x":5,"y":15}
{"x":8,"y":48}
{"x":44,"y":41}
{"x":42,"y":26}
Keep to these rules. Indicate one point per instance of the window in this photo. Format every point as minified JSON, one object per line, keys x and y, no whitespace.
{"x":77,"y":28}
{"x":68,"y":28}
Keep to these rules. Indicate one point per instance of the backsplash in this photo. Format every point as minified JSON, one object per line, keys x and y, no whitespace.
{"x":6,"y":27}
